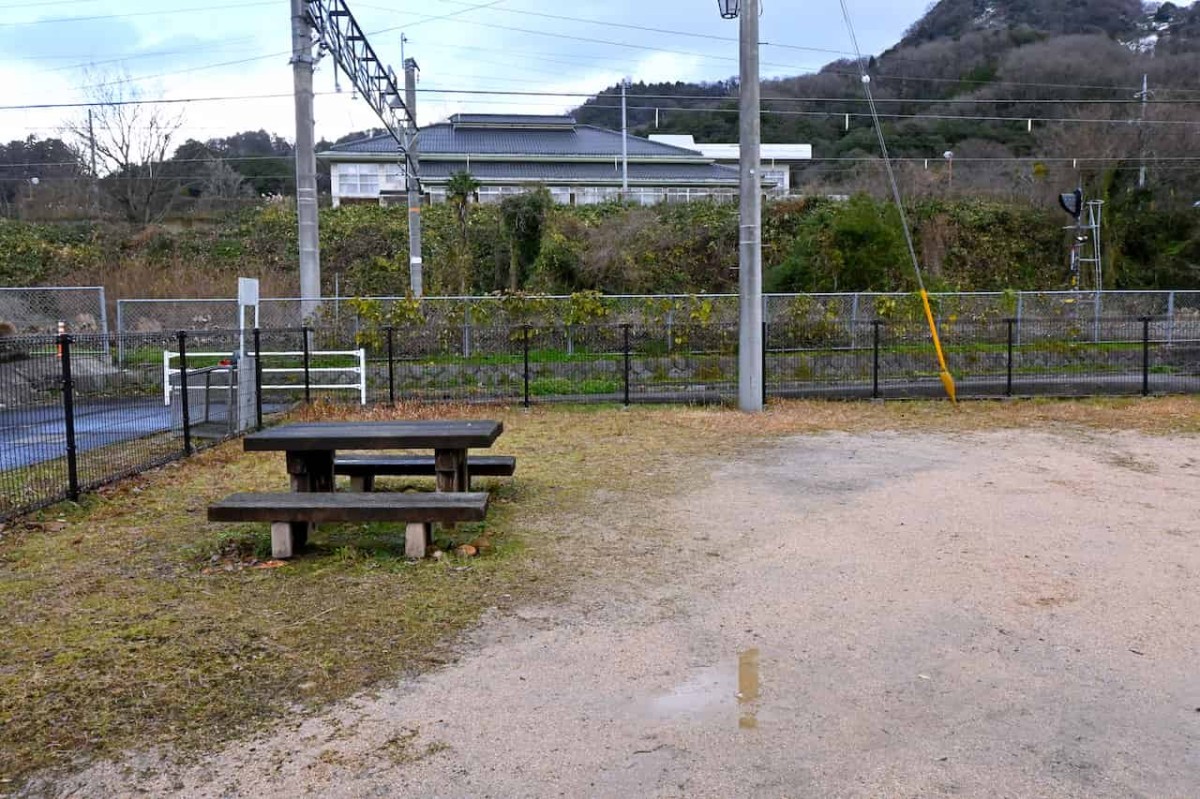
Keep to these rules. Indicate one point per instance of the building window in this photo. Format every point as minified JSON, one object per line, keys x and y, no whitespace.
{"x":779,"y":177}
{"x":358,"y":180}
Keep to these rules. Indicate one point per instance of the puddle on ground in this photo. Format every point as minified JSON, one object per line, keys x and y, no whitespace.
{"x":747,"y":694}
{"x":727,"y":688}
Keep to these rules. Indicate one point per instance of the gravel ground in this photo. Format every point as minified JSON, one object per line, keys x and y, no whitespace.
{"x":989,"y":614}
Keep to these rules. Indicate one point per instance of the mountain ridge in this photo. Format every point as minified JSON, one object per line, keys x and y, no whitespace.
{"x":993,"y":81}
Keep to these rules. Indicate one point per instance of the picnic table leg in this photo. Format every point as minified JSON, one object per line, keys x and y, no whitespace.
{"x":451,"y":468}
{"x":416,"y":540}
{"x":282,"y":540}
{"x":310,"y":471}
{"x":362,"y":484}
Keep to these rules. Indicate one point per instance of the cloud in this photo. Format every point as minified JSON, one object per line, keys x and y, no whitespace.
{"x":67,"y":43}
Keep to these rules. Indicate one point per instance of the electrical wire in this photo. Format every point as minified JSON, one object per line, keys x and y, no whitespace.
{"x":781,"y":45}
{"x":658,"y":31}
{"x":1115,"y":161}
{"x":944,"y":374}
{"x":1131,"y":168}
{"x":164,"y":12}
{"x":1020,"y":118}
{"x":25,"y":5}
{"x":494,"y":3}
{"x":632,"y":27}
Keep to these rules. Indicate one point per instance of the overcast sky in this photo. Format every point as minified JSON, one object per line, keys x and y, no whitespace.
{"x":182,"y":49}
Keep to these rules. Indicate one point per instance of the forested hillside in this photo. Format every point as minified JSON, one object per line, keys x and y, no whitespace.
{"x":1030,"y":96}
{"x":808,"y":245}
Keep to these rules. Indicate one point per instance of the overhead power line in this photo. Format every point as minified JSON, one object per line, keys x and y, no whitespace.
{"x":781,"y":45}
{"x":112,"y":57}
{"x":632,"y":27}
{"x":1034,"y":159}
{"x":25,"y":5}
{"x":152,"y":101}
{"x":879,"y":76}
{"x":240,"y":61}
{"x":1020,"y":118}
{"x":1132,"y":165}
{"x":164,"y":12}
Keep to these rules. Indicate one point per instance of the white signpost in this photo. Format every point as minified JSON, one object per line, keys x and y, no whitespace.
{"x":247,"y":298}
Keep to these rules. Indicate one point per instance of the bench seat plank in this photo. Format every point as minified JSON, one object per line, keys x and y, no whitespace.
{"x":449,"y":508}
{"x":420,"y":465}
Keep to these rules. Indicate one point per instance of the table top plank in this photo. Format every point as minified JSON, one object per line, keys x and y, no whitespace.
{"x":315,"y":436}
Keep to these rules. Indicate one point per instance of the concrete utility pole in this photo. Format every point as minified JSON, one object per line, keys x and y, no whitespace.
{"x":92,"y":140}
{"x":750,"y":315}
{"x":306,"y":163}
{"x":624,"y":142}
{"x":1145,"y":94}
{"x":416,"y":276}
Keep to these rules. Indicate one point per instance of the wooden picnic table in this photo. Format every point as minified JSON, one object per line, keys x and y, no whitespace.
{"x":310,"y":448}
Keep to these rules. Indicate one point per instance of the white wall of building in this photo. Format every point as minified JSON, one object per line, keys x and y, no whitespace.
{"x":374,"y":180}
{"x":777,"y":159}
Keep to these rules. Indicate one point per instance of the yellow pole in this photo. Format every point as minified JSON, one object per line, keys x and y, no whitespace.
{"x":947,"y":378}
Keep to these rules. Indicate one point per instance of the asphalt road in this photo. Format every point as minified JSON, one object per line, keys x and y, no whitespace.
{"x":33,"y":435}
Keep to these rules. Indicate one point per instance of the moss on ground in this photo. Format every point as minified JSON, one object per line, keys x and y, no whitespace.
{"x":130,"y":621}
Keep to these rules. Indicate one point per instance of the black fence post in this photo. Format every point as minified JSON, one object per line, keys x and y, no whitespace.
{"x":68,"y":388}
{"x":1145,"y":356}
{"x":763,"y":372}
{"x":525,"y":341}
{"x":305,"y":331}
{"x":258,"y":384}
{"x":1008,"y":386}
{"x":391,"y":350}
{"x":184,"y":409}
{"x":875,"y":360}
{"x":625,"y":351}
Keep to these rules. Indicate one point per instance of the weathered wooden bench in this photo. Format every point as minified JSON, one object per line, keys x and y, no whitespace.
{"x":363,"y":469}
{"x":293,"y":514}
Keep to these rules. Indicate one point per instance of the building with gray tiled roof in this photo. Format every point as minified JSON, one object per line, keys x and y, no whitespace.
{"x":508,"y":154}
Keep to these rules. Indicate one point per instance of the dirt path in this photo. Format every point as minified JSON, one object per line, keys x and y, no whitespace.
{"x":991,"y":614}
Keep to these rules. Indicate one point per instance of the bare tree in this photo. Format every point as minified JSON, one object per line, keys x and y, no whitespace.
{"x":223,"y":182}
{"x":132,"y":139}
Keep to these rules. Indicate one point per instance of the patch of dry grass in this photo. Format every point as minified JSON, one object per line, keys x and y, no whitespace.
{"x":117,"y":637}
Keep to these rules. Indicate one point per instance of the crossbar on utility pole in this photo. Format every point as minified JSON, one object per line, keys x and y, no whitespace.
{"x":306,"y":162}
{"x":750,"y":342}
{"x":416,"y":275}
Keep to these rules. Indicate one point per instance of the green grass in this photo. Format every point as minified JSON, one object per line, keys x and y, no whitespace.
{"x":565,"y":387}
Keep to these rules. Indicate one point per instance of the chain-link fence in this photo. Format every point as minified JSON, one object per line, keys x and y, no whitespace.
{"x":40,"y":311}
{"x":352,"y":316}
{"x":74,"y":414}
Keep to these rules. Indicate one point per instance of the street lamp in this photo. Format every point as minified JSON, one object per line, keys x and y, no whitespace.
{"x":750,"y":300}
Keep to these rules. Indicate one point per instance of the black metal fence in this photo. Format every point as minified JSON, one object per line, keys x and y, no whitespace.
{"x":73,"y":416}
